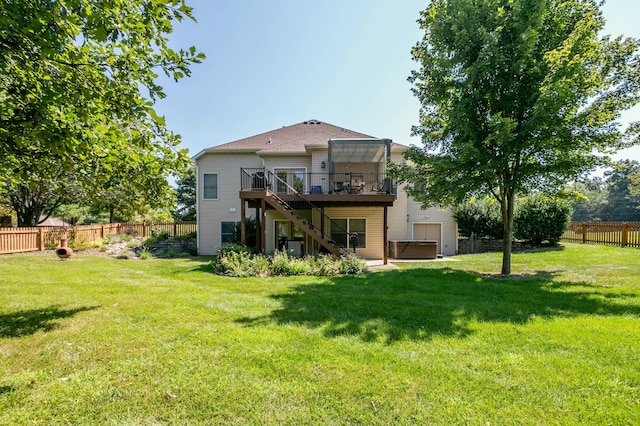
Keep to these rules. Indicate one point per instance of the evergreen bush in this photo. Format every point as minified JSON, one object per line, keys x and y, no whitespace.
{"x":480,"y":217}
{"x":541,"y":220}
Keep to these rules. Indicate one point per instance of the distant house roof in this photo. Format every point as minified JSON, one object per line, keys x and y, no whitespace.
{"x":292,"y":139}
{"x":52,"y":221}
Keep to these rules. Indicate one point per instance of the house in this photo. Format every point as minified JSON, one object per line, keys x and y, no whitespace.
{"x":312,"y":187}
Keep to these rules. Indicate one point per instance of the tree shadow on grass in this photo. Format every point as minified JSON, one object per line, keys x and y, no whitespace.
{"x":419,"y":304}
{"x":27,"y":322}
{"x":202,"y":263}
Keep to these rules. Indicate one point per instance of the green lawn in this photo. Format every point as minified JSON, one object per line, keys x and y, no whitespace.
{"x":96,"y":340}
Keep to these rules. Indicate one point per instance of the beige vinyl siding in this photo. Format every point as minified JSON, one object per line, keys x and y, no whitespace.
{"x":212,"y":212}
{"x":434,"y":215}
{"x":288,"y":162}
{"x":272,"y":163}
{"x":374,"y":232}
{"x":374,"y":221}
{"x":272,"y":217}
{"x":397,"y":215}
{"x":317,"y":157}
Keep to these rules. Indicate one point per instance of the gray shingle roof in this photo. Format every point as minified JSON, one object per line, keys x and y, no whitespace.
{"x":293,"y":138}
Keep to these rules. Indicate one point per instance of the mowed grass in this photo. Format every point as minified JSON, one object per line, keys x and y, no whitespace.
{"x":94,"y":340}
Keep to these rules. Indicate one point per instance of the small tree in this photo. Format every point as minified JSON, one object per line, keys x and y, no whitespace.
{"x":251,"y":232}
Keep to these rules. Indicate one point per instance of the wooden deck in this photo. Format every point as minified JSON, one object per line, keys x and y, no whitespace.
{"x":331,"y":200}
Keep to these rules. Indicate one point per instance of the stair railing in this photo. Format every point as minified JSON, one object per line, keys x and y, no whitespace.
{"x":263,"y":179}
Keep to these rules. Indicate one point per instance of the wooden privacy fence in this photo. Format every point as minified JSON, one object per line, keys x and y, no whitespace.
{"x":614,"y":233}
{"x":16,"y":240}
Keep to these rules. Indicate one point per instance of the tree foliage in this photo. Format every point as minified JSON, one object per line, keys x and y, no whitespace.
{"x":186,"y":196}
{"x":541,"y":220}
{"x":78,"y":79}
{"x":36,"y":199}
{"x":622,"y":204}
{"x":589,"y":199}
{"x":481,"y":218}
{"x":516,"y":95}
{"x":615,"y":197}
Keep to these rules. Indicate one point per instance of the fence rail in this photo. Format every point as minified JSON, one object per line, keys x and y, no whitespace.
{"x":626,"y":234}
{"x":16,"y":240}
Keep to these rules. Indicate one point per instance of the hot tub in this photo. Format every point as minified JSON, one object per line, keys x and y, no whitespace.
{"x":413,"y":249}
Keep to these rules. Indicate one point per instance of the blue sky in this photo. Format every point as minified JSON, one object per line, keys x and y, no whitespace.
{"x":279,"y":62}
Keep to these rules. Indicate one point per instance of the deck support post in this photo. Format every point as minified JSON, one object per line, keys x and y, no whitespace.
{"x":385,"y":237}
{"x":263,"y":228}
{"x":243,"y":223}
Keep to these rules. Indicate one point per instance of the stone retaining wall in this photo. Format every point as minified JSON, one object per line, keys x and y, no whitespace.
{"x":467,"y":246}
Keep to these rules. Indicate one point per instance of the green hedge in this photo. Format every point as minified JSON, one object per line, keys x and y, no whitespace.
{"x":538,"y":219}
{"x":541,"y":220}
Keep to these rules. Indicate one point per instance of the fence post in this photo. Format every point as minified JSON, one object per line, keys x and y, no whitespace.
{"x":585,"y":228}
{"x":102,"y":232}
{"x":41,"y":239}
{"x":625,"y":234}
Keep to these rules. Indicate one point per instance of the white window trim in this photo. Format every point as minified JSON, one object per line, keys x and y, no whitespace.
{"x":217,"y":187}
{"x":235,"y":222}
{"x":275,"y":169}
{"x":366,"y":229}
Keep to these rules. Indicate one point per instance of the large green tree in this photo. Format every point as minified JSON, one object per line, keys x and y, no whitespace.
{"x":516,"y":95}
{"x":622,"y":204}
{"x":35,"y":199}
{"x":590,"y":197}
{"x":78,"y":80}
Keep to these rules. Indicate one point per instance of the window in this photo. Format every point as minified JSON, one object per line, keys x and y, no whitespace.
{"x":228,"y":232}
{"x":210,"y":190}
{"x":290,"y":180}
{"x":356,"y":232}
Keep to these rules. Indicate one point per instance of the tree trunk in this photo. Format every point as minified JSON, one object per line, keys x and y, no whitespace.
{"x":28,"y":216}
{"x":112,"y":215}
{"x":507,"y":207}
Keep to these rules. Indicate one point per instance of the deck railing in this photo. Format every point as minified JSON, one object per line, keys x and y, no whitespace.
{"x":16,"y":240}
{"x":625,"y":234}
{"x":316,"y":183}
{"x":262,"y":179}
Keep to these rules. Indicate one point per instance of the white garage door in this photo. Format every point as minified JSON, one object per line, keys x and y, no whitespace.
{"x":428,"y":231}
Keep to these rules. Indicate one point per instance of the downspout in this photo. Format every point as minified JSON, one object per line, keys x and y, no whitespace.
{"x":198,"y":226}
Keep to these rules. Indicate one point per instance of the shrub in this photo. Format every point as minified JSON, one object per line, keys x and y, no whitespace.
{"x":187,"y":237}
{"x":158,"y":234}
{"x":251,"y":232}
{"x":156,"y":238}
{"x":134,"y":243}
{"x":324,"y":265}
{"x":144,"y":255}
{"x":126,"y":254}
{"x":352,"y":264}
{"x":235,"y":260}
{"x":540,"y":219}
{"x":283,"y":264}
{"x":482,"y":218}
{"x":239,"y":261}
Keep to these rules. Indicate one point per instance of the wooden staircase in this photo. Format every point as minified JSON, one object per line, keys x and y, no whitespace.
{"x":280,"y":205}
